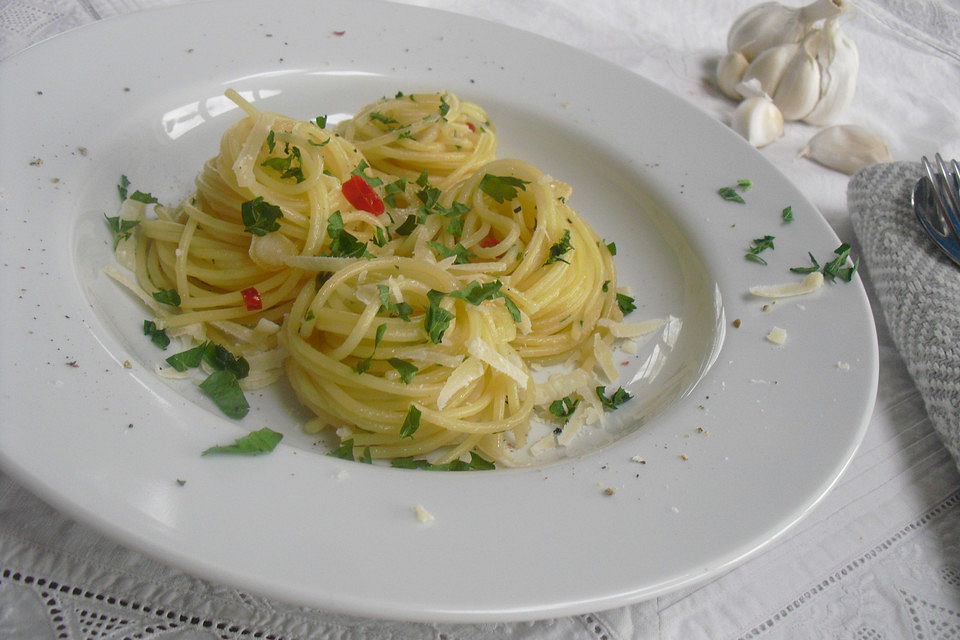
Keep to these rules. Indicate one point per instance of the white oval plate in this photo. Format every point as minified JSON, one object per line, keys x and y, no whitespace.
{"x":740,"y":437}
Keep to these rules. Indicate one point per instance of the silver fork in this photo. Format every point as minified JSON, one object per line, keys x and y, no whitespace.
{"x":936,"y":201}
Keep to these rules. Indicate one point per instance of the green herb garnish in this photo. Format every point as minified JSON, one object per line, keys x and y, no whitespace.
{"x":559,"y":249}
{"x":223,"y":388}
{"x":626,"y":303}
{"x":729,"y":194}
{"x":476,"y":463}
{"x":410,"y":423}
{"x":787,"y":214}
{"x":121,"y":229}
{"x":260,"y":217}
{"x":158,"y":336}
{"x":254,"y":443}
{"x":436,"y":320}
{"x":615,"y":400}
{"x":758,"y":246}
{"x":502,"y":188}
{"x":364,"y":365}
{"x":406,"y":369}
{"x":361,"y":170}
{"x":167,"y":296}
{"x":814,"y":267}
{"x":462,"y":254}
{"x":344,"y":451}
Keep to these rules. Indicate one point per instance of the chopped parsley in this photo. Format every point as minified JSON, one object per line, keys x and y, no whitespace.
{"x":564,"y":407}
{"x":379,"y":117}
{"x":344,"y":244}
{"x":400,"y":309}
{"x":502,"y":188}
{"x":462,"y":254}
{"x":477,"y":463}
{"x":260,"y":217}
{"x":344,"y":451}
{"x":406,"y":369}
{"x":758,"y":246}
{"x":616,"y":399}
{"x":361,"y":170}
{"x":410,"y":423}
{"x":167,"y":296}
{"x":189,"y":359}
{"x":321,"y":121}
{"x":436,"y":320}
{"x":612,"y":248}
{"x":288,"y":166}
{"x":744,"y":184}
{"x":787,"y":214}
{"x":476,"y":293}
{"x":560,"y":249}
{"x":121,"y":229}
{"x":836,"y":267}
{"x":444,"y":107}
{"x":254,"y":443}
{"x":814,"y":267}
{"x":392,"y":190}
{"x":626,"y":303}
{"x":730,"y":194}
{"x":158,"y":336}
{"x":408,"y":225}
{"x":364,"y":365}
{"x":139,"y":196}
{"x":224,"y":389}
{"x":123,"y":186}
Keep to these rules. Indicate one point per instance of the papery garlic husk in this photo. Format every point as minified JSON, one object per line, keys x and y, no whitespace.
{"x":756,"y":118}
{"x":847,"y":148}
{"x":770,"y":24}
{"x":730,"y":71}
{"x":798,"y":91}
{"x":839,"y":62}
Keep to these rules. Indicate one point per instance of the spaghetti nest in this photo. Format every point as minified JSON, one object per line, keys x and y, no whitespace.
{"x":417,"y":278}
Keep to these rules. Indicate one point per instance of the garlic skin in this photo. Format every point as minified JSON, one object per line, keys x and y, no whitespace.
{"x":770,"y":24}
{"x":847,"y":148}
{"x":730,"y":71}
{"x":757,"y":118}
{"x":839,"y":62}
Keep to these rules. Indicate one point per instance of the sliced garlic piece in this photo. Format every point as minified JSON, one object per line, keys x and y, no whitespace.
{"x":730,"y":71}
{"x":757,"y":118}
{"x":811,"y":283}
{"x":839,"y":62}
{"x":847,"y":148}
{"x":777,"y":335}
{"x":270,"y":251}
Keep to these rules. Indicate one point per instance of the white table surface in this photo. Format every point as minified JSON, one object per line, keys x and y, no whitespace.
{"x":878,"y":559}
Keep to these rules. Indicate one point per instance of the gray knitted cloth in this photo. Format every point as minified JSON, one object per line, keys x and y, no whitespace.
{"x":918,"y":287}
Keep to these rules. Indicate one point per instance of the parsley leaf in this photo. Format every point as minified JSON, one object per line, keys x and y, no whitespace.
{"x":344,"y":244}
{"x":392,"y":190}
{"x":401,"y":309}
{"x":406,"y":369}
{"x":379,"y":117}
{"x":321,"y":121}
{"x":145,"y":198}
{"x":121,"y":229}
{"x":564,"y":407}
{"x":811,"y":269}
{"x":436,"y":320}
{"x":259,"y":216}
{"x":559,"y":249}
{"x":223,"y":388}
{"x":444,"y":107}
{"x":612,"y":248}
{"x":625,"y":303}
{"x":221,"y":359}
{"x":729,"y":194}
{"x":344,"y":451}
{"x":744,"y":184}
{"x":188,"y":359}
{"x":502,"y":188}
{"x":615,"y":400}
{"x":833,"y":268}
{"x":476,"y":293}
{"x":477,"y":463}
{"x":167,"y":296}
{"x":408,"y":226}
{"x":158,"y":336}
{"x":757,"y":246}
{"x":122,"y":187}
{"x":410,"y":423}
{"x":254,"y":443}
{"x":462,"y":254}
{"x":361,"y":169}
{"x":364,"y":365}
{"x":787,"y":214}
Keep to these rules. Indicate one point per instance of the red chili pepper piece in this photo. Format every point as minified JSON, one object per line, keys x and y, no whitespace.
{"x":489,"y":241}
{"x":471,"y":127}
{"x":252,"y":299}
{"x":362,"y":196}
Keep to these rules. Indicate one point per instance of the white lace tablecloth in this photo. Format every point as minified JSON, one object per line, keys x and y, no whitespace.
{"x":878,"y":559}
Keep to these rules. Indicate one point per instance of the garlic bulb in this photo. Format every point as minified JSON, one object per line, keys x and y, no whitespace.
{"x":847,"y":148}
{"x":757,"y":118}
{"x":770,"y":24}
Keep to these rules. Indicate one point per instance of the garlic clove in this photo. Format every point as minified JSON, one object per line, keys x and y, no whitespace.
{"x":769,"y":66}
{"x":758,"y":120}
{"x":770,"y":24}
{"x":799,"y":88}
{"x":730,"y":71}
{"x":268,"y":252}
{"x":847,"y":148}
{"x":839,"y":62}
